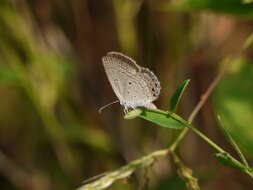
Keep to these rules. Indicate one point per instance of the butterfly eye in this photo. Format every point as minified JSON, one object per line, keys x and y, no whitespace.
{"x":153,"y":89}
{"x":129,"y":83}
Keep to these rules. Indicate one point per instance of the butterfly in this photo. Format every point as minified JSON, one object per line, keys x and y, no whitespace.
{"x":135,"y":86}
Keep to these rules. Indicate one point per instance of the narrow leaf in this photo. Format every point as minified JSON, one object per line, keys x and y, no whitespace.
{"x":229,"y":161}
{"x":164,"y":119}
{"x":133,"y":114}
{"x":232,"y":142}
{"x":177,"y":95}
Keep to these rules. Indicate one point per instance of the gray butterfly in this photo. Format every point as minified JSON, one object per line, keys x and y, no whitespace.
{"x":134,"y":85}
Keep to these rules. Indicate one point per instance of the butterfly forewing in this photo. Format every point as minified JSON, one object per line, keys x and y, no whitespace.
{"x":118,"y":68}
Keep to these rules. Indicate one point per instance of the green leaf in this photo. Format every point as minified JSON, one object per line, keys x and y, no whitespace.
{"x":164,"y":119}
{"x":177,"y":95}
{"x":229,"y":161}
{"x":232,"y":142}
{"x":233,"y":7}
{"x":133,"y":114}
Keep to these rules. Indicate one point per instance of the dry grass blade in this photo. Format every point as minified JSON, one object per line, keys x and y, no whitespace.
{"x":123,"y":172}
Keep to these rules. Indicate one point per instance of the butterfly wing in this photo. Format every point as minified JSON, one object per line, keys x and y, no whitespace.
{"x":134,"y":85}
{"x":119,"y":68}
{"x":141,"y":89}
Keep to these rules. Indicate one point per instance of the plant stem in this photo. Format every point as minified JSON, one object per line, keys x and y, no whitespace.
{"x":205,"y":138}
{"x":178,"y":139}
{"x":249,"y":172}
{"x":200,"y":104}
{"x":194,"y":113}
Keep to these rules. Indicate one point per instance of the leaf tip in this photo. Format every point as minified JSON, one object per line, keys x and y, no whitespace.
{"x":133,"y":114}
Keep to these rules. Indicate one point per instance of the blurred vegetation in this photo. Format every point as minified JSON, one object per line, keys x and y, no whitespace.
{"x":234,"y":101}
{"x":52,"y":84}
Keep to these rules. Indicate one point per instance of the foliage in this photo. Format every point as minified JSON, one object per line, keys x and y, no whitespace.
{"x":233,"y":101}
{"x":52,"y":83}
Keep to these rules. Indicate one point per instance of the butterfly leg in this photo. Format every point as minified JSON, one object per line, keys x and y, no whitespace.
{"x":125,"y":110}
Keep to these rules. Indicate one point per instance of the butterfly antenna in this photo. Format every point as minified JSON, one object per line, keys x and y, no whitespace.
{"x":105,"y":106}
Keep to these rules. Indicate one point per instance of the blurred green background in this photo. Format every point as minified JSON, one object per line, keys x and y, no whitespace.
{"x":52,"y":84}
